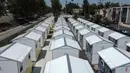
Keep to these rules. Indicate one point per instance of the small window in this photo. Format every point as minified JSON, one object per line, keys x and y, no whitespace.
{"x":102,"y":62}
{"x":21,"y":68}
{"x":29,"y":56}
{"x":36,"y":45}
{"x":128,"y":48}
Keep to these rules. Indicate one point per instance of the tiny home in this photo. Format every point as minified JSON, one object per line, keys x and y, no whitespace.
{"x":34,"y":43}
{"x":68,"y":64}
{"x":104,"y":32}
{"x":61,"y":27}
{"x":113,"y":60}
{"x":73,"y":26}
{"x":88,"y":25}
{"x":76,"y":29}
{"x":16,"y":59}
{"x":95,"y":27}
{"x":43,"y":30}
{"x":66,"y":46}
{"x":47,"y":26}
{"x":95,"y":44}
{"x":42,"y":36}
{"x":119,"y":40}
{"x":63,"y":33}
{"x":82,"y":34}
{"x":128,"y":47}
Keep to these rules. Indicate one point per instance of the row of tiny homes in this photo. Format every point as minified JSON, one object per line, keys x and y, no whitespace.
{"x":63,"y":41}
{"x":119,"y":40}
{"x":100,"y":47}
{"x":25,"y":48}
{"x":65,"y":53}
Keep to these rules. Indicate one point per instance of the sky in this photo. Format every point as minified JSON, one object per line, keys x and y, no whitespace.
{"x":80,"y":2}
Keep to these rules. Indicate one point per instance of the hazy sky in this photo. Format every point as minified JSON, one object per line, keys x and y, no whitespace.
{"x":80,"y":2}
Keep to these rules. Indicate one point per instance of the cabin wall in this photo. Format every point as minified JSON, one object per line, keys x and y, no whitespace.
{"x":122,"y":42}
{"x":98,"y":47}
{"x":8,"y":66}
{"x":123,"y":70}
{"x":61,"y":52}
{"x":84,"y":39}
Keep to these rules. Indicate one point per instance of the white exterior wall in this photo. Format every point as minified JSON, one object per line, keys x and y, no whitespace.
{"x":8,"y":66}
{"x":122,"y":42}
{"x":98,"y":47}
{"x":123,"y":69}
{"x":106,"y":34}
{"x":96,"y":29}
{"x":62,"y":51}
{"x":63,"y":35}
{"x":84,"y":39}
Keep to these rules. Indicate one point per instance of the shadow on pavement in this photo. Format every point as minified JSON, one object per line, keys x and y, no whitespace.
{"x":46,"y":43}
{"x":42,"y":54}
{"x":36,"y":69}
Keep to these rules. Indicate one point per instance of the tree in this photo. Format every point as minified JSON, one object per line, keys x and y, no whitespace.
{"x":70,"y":6}
{"x":27,"y":8}
{"x":91,"y":8}
{"x":85,"y":7}
{"x":56,"y":6}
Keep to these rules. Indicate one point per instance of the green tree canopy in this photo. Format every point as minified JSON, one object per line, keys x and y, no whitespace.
{"x":56,"y":6}
{"x":70,"y":6}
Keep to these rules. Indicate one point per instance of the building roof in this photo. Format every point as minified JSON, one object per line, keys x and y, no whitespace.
{"x":95,"y":26}
{"x":16,"y":52}
{"x":4,"y":47}
{"x":45,"y":24}
{"x":61,"y":27}
{"x":79,"y":27}
{"x":20,"y":36}
{"x":64,"y":42}
{"x":103,"y":29}
{"x":75,"y":24}
{"x":40,"y":28}
{"x":68,"y":64}
{"x":84,"y":31}
{"x":116,"y":35}
{"x":113,"y":58}
{"x":93,"y":39}
{"x":90,"y":23}
{"x":60,"y":32}
{"x":33,"y":36}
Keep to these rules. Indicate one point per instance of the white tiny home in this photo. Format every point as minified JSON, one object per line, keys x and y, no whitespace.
{"x":104,"y":32}
{"x":68,"y":64}
{"x":88,"y":25}
{"x":47,"y":26}
{"x":95,"y":27}
{"x":34,"y":43}
{"x":128,"y":47}
{"x":64,"y":46}
{"x":113,"y":60}
{"x":73,"y":26}
{"x":61,"y":27}
{"x":119,"y":40}
{"x":95,"y":44}
{"x":84,"y":22}
{"x":63,"y":33}
{"x":16,"y":59}
{"x":82,"y":34}
{"x":43,"y":30}
{"x":76,"y":29}
{"x":42,"y":37}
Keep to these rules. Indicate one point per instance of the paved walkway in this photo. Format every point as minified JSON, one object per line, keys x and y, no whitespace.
{"x":45,"y":56}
